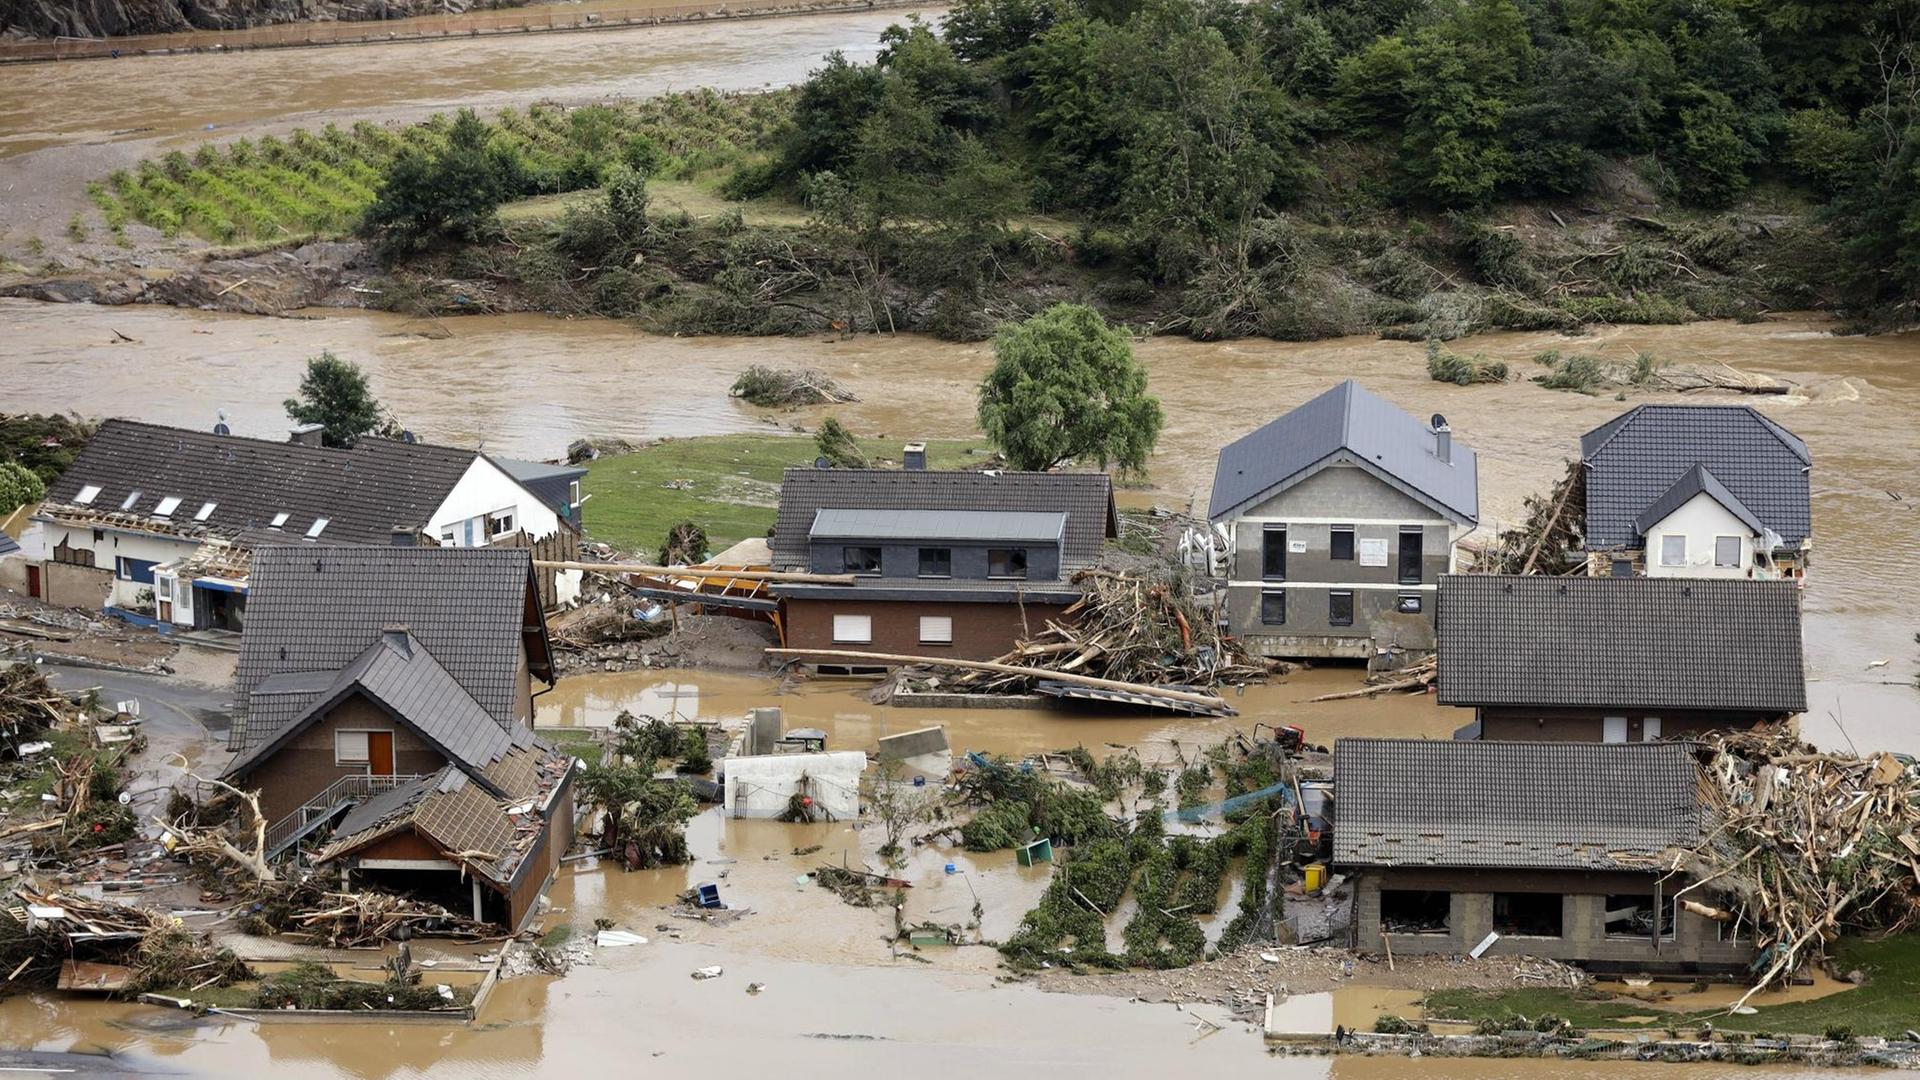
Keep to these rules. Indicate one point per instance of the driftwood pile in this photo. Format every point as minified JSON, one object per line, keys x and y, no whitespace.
{"x":1131,"y":628}
{"x":308,"y":910}
{"x":1412,"y":679}
{"x":1551,"y":539}
{"x":42,"y":932}
{"x":788,"y":387}
{"x":28,"y":704}
{"x":1808,"y":845}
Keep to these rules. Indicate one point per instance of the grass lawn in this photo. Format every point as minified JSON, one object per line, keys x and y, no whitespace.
{"x":732,"y":484}
{"x":580,"y":742}
{"x":1887,"y":1005}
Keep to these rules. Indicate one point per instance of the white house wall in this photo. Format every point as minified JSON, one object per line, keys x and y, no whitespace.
{"x":760,"y":787}
{"x":1701,"y":519}
{"x":43,"y":537}
{"x":483,"y":489}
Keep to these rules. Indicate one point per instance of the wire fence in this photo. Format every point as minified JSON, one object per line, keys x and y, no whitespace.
{"x":527,"y":20}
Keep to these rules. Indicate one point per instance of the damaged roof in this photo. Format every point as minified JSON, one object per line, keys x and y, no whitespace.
{"x":1086,"y":498}
{"x":318,"y":608}
{"x":1516,"y":805}
{"x":1636,"y":458}
{"x":1651,"y":642}
{"x":227,"y":485}
{"x":1352,"y":419}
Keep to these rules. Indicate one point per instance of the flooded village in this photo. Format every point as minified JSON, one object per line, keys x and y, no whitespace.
{"x":510,"y":693}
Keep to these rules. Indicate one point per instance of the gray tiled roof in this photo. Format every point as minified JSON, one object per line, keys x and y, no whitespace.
{"x":1652,"y":642}
{"x":8,"y":545}
{"x":550,"y":482}
{"x":1695,"y":481}
{"x":938,"y":525}
{"x":317,"y":607}
{"x":1352,"y":418}
{"x":1636,"y":458}
{"x":1534,"y":805}
{"x":364,"y":492}
{"x":1086,"y":499}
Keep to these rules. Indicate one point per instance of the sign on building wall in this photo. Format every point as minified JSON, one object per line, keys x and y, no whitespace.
{"x":1297,"y":547}
{"x":1373,"y":553}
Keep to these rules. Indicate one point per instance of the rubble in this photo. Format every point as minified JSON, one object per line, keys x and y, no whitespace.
{"x":43,"y":932}
{"x":788,"y":387}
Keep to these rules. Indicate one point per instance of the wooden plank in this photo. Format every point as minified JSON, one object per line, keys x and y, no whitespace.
{"x":1209,"y":701}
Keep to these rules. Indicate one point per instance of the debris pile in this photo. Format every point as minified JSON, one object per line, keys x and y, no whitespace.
{"x":309,"y":910}
{"x":1808,"y":845}
{"x":774,"y":388}
{"x":310,"y":985}
{"x":1445,"y":365}
{"x":1551,"y":539}
{"x":28,"y":706}
{"x":1412,"y":679}
{"x":1587,"y":374}
{"x":43,"y":935}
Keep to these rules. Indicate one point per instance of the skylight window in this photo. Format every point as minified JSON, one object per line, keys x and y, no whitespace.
{"x":167,"y":506}
{"x":87,"y":494}
{"x":313,"y":530}
{"x":279,"y":520}
{"x":205,"y":511}
{"x":127,"y":503}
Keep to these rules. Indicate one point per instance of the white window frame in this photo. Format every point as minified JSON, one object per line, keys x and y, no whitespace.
{"x":936,"y":629}
{"x":167,"y":506}
{"x":1666,"y":556}
{"x":853,"y":629}
{"x":1611,"y":726}
{"x":366,"y":747}
{"x":1717,"y":541}
{"x":319,"y":525}
{"x":279,"y":520}
{"x":132,"y":497}
{"x":509,"y":523}
{"x":87,"y":494}
{"x":449,"y":537}
{"x":573,"y":494}
{"x":206,"y":511}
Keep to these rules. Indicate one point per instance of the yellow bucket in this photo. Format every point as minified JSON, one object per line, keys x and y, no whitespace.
{"x":1316,"y":877}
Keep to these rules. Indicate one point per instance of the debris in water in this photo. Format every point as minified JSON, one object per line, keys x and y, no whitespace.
{"x":707,"y":973}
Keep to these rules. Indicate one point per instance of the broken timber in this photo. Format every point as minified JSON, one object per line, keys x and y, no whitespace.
{"x":1204,"y":701}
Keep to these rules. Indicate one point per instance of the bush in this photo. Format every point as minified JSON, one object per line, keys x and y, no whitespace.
{"x":1445,"y":365}
{"x":1389,"y":1024}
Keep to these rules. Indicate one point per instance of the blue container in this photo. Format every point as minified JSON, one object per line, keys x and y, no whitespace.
{"x":710,"y":895}
{"x":952,"y":869}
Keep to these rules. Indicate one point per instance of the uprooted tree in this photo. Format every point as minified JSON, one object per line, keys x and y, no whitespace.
{"x":214,"y":841}
{"x":646,"y":818}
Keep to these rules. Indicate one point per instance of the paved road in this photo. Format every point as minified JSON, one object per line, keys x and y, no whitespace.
{"x":181,"y":719}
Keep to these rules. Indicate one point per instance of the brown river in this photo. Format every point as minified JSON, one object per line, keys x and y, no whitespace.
{"x":836,"y":1000}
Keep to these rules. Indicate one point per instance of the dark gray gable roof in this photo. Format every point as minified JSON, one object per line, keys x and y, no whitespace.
{"x":1352,"y":418}
{"x":1541,"y":805}
{"x":1638,"y":456}
{"x":1086,"y":499}
{"x":363,"y":492}
{"x":1695,"y":481}
{"x":1651,"y":642}
{"x":981,"y":525}
{"x":550,"y":482}
{"x":317,"y":608}
{"x":8,"y":545}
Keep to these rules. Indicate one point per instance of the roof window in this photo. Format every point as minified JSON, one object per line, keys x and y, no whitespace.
{"x":205,"y":511}
{"x":132,"y":497}
{"x":87,"y":494}
{"x":167,"y":506}
{"x":279,"y":519}
{"x":313,"y":530}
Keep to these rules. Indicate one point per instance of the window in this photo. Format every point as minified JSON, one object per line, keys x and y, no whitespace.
{"x":853,"y":629}
{"x":1613,"y":729}
{"x":1726,"y":551}
{"x":1273,"y":553}
{"x":167,"y":506}
{"x":1273,"y":607}
{"x":1636,"y":916}
{"x":1673,"y":550}
{"x":936,"y":630}
{"x":1650,"y":729}
{"x":1007,"y":562}
{"x":1408,"y":604}
{"x":447,"y":537}
{"x":132,"y":497}
{"x":350,"y":748}
{"x":278,"y":520}
{"x":936,"y":562}
{"x":860,"y":560}
{"x":140,"y":570}
{"x":1527,"y":914}
{"x":500,"y":523}
{"x":1343,"y":543}
{"x":1340,"y":608}
{"x":1414,"y":911}
{"x":1413,"y":544}
{"x":315,"y":529}
{"x":205,"y":511}
{"x":87,"y":494}
{"x":573,"y":493}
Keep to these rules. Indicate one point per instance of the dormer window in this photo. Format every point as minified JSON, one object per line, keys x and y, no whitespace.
{"x":278,"y":520}
{"x":205,"y":511}
{"x":87,"y":494}
{"x":167,"y":506}
{"x":313,"y":530}
{"x":127,"y":503}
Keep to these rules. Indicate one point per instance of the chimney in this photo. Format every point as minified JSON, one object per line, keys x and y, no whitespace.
{"x":914,"y":456}
{"x":1443,"y":442}
{"x":403,"y":537}
{"x":395,"y":636}
{"x":305,"y":435}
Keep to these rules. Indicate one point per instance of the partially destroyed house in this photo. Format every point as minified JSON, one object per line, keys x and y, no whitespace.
{"x":1697,"y":491}
{"x":1339,"y":519}
{"x":1538,"y":849}
{"x":1618,"y":659}
{"x":947,"y":563}
{"x":385,"y":720}
{"x":162,"y":523}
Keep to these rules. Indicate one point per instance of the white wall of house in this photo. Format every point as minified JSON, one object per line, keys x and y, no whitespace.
{"x":1699,"y":524}
{"x":43,"y":537}
{"x":483,"y":491}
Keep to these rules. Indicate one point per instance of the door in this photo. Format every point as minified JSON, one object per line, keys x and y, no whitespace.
{"x":1412,"y":547}
{"x":33,"y":582}
{"x":380,"y":753}
{"x":1613,"y":729}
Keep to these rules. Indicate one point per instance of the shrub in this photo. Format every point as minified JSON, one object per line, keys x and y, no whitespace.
{"x":1445,"y":365}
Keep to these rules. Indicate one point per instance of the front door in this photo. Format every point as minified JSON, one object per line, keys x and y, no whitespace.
{"x":33,"y":582}
{"x":380,"y":753}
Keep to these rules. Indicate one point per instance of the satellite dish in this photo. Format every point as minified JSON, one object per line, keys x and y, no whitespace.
{"x":222,"y":429}
{"x":220,"y":426}
{"x":1437,"y":422}
{"x":822,"y":463}
{"x":407,"y":437}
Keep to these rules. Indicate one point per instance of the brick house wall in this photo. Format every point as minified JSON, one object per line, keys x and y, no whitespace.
{"x":304,"y":766}
{"x":1527,"y":724}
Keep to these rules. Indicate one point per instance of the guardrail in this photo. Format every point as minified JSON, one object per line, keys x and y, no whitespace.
{"x":356,"y":786}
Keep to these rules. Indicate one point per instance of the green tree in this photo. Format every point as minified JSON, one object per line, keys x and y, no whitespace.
{"x":1066,"y":386}
{"x":429,"y":197}
{"x":335,"y":394}
{"x":18,"y":487}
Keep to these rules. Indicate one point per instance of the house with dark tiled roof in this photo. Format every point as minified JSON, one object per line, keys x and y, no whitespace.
{"x":1701,"y":491}
{"x":385,"y":719}
{"x":948,"y":563}
{"x":162,"y":523}
{"x":1562,"y":850}
{"x":1626,"y":659}
{"x":1337,"y":521}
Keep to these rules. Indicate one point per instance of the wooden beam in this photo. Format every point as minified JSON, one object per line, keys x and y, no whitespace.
{"x":700,"y":572}
{"x":1207,"y":700}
